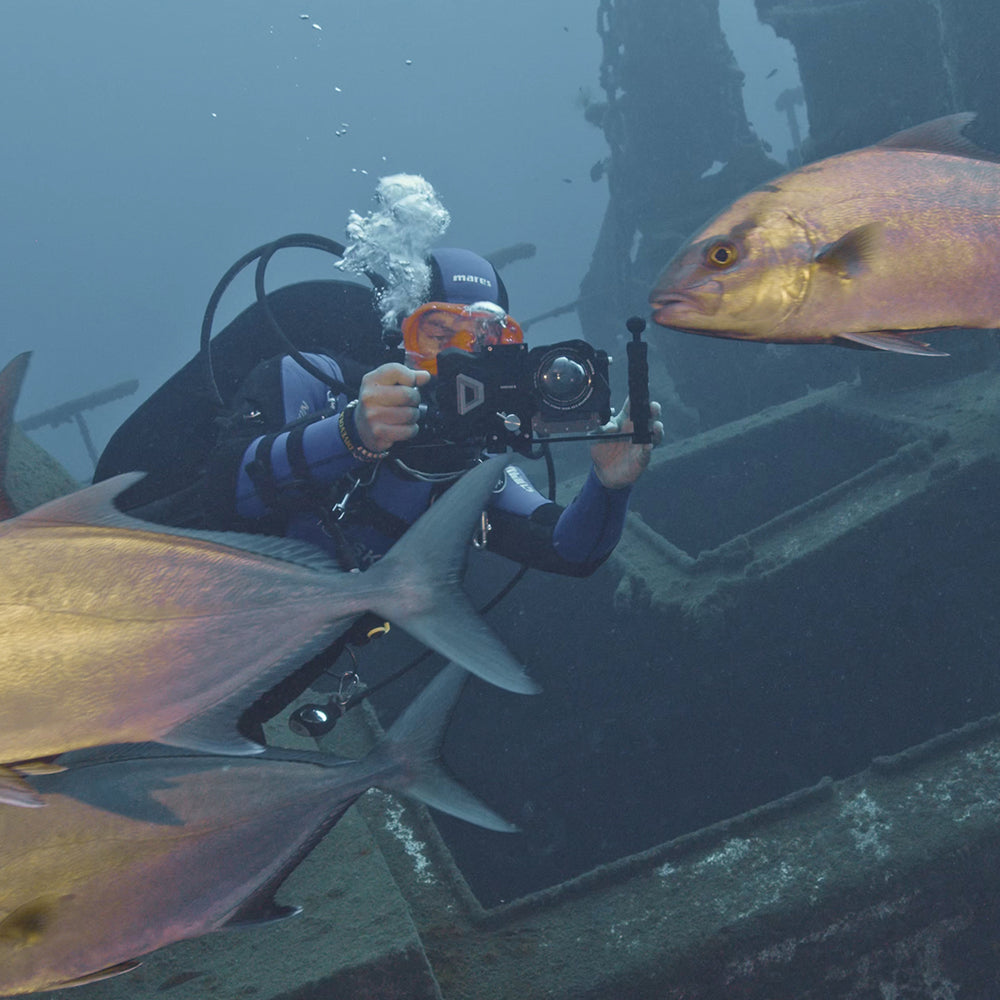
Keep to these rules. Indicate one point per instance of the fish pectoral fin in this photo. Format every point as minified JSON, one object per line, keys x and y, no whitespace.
{"x":259,"y":915}
{"x":108,"y":973}
{"x":887,"y":340}
{"x":27,"y":767}
{"x":15,"y":791}
{"x":853,"y":251}
{"x":212,"y":732}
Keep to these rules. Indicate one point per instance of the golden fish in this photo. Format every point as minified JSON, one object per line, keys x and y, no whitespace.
{"x":861,"y":249}
{"x":115,"y":630}
{"x":138,"y":847}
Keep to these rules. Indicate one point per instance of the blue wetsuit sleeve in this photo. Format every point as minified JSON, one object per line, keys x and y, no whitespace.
{"x":530,"y":529}
{"x":281,"y":469}
{"x":591,"y":526}
{"x":322,"y":459}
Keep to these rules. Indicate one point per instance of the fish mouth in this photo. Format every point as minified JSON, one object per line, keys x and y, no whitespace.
{"x":669,"y":306}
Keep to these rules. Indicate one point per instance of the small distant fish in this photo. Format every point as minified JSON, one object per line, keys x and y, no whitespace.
{"x":139,"y":847}
{"x":863,"y":249}
{"x":773,"y":71}
{"x":507,"y":255}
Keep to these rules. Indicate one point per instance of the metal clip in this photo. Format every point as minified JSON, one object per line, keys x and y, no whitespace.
{"x":348,"y":687}
{"x":482,"y":532}
{"x":339,"y":509}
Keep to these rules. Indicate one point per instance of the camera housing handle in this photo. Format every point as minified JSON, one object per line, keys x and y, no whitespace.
{"x":638,"y":380}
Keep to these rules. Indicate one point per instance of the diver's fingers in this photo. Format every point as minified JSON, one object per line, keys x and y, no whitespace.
{"x":381,"y":429}
{"x":655,"y":410}
{"x":393,"y":384}
{"x":392,"y":415}
{"x":624,"y":415}
{"x":388,"y":405}
{"x":380,"y":395}
{"x":394,"y":373}
{"x":621,"y":422}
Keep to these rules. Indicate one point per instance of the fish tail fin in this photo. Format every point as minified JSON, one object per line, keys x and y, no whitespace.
{"x":418,"y":583}
{"x":10,"y":388}
{"x":411,"y":754}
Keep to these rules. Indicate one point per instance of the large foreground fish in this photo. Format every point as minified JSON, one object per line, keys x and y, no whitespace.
{"x":861,"y":249}
{"x":136,"y":853}
{"x":115,"y":630}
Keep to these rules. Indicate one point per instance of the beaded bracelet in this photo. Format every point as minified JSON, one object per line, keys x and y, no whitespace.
{"x":349,"y":434}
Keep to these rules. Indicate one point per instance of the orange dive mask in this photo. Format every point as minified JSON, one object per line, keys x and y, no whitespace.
{"x":436,"y":326}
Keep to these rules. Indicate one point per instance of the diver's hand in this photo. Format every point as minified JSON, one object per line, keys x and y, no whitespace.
{"x":620,"y":463}
{"x":389,"y":405}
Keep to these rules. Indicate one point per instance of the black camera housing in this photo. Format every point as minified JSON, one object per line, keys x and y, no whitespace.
{"x":508,"y":395}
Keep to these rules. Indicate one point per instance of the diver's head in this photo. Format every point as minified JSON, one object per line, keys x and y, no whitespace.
{"x":463,"y":277}
{"x":466,"y":307}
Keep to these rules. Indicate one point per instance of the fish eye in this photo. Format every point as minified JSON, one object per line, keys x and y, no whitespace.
{"x":721,"y":254}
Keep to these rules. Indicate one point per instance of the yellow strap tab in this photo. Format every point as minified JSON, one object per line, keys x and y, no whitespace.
{"x":382,"y":629}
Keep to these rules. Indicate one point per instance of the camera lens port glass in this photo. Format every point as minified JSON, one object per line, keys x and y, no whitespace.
{"x":563,"y":381}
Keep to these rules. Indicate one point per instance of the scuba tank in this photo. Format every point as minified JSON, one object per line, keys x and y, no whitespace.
{"x":170,"y":435}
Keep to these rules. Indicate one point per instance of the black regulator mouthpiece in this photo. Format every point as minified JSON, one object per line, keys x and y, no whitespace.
{"x":638,"y":380}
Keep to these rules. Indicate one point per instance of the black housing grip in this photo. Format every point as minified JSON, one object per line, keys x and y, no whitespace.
{"x":638,"y":381}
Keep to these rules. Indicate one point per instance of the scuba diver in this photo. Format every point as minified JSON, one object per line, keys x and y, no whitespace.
{"x":350,"y":470}
{"x":293,"y":442}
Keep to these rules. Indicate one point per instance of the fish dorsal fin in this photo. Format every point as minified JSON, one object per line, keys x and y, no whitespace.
{"x":91,"y":505}
{"x":855,"y":249}
{"x":941,"y":135}
{"x":94,"y":505}
{"x":889,"y":340}
{"x":10,"y":388}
